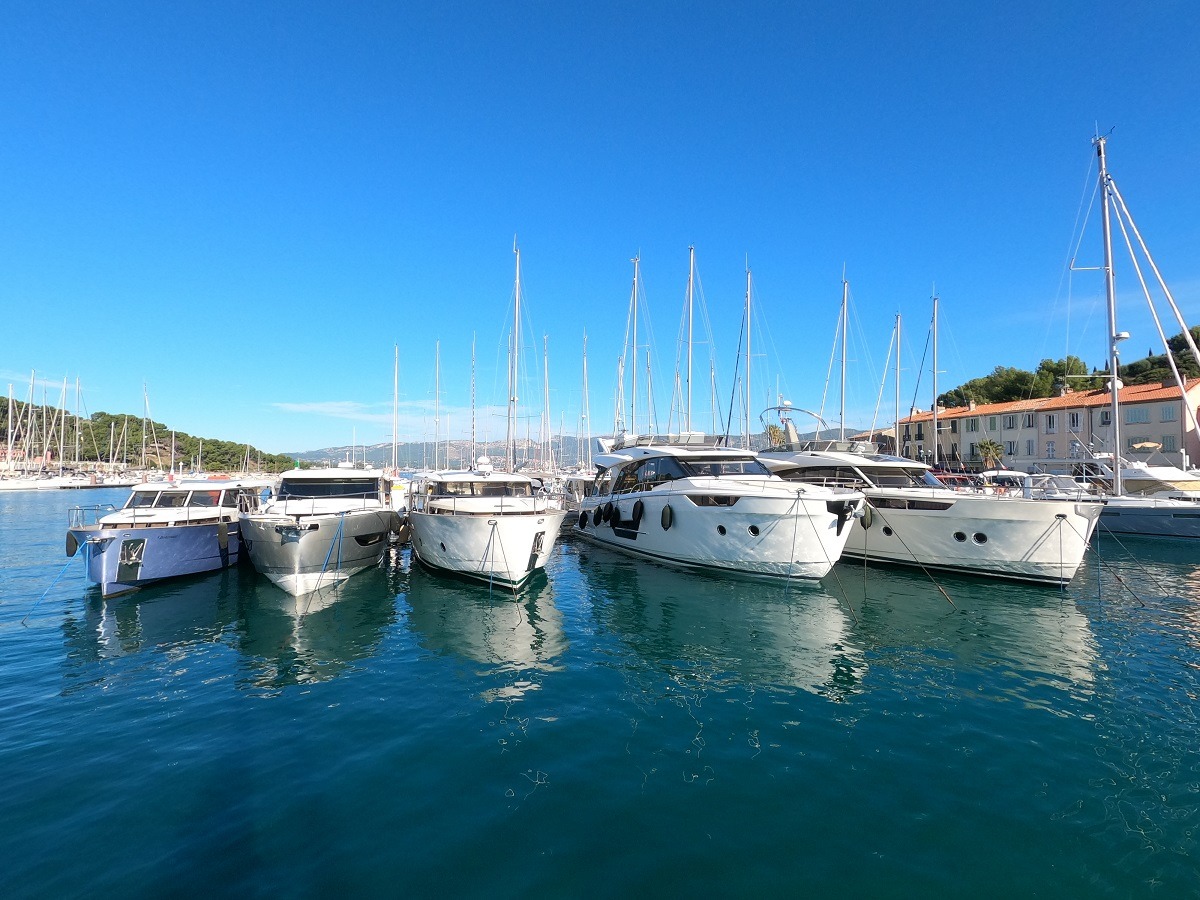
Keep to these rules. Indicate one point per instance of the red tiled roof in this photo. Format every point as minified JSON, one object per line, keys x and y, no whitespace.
{"x":1134,"y":393}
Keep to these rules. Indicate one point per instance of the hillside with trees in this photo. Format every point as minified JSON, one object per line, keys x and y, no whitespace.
{"x":1006,"y":384}
{"x":124,"y":441}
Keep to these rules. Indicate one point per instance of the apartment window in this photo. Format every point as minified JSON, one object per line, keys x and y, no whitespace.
{"x":973,"y":425}
{"x":954,"y":426}
{"x":1137,"y":415}
{"x":1027,"y":421}
{"x":1133,"y":439}
{"x":1168,"y":443}
{"x":1010,"y":448}
{"x":1074,"y":421}
{"x":1010,"y":421}
{"x":1050,"y":450}
{"x":1168,"y":412}
{"x":920,"y":433}
{"x":991,"y":423}
{"x":906,"y":434}
{"x":1030,"y":447}
{"x":974,"y":453}
{"x":1051,"y":425}
{"x":1106,"y":417}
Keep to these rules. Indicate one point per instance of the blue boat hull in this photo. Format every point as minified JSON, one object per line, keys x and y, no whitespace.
{"x":125,"y":559}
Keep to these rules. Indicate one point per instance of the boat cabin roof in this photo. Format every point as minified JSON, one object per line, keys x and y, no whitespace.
{"x":332,"y":475}
{"x":200,"y":484}
{"x":479,"y":475}
{"x":776,"y":461}
{"x":690,"y":454}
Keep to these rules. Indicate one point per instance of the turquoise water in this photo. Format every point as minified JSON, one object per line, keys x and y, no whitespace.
{"x":617,"y":729}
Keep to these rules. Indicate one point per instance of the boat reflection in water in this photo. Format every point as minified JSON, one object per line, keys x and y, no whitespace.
{"x":513,"y":636}
{"x":175,"y":614}
{"x":288,"y":640}
{"x":1024,"y":638}
{"x":726,"y":632}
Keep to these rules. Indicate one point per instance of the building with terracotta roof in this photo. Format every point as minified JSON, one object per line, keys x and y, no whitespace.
{"x":1046,"y":433}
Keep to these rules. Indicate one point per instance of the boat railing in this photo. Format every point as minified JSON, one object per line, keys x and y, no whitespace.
{"x":460,"y":505}
{"x":80,"y":516}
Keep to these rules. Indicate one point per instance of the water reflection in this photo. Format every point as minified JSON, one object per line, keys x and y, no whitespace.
{"x":511,"y":636}
{"x":180,"y":612}
{"x":288,"y":640}
{"x":726,"y":632}
{"x":907,"y":619}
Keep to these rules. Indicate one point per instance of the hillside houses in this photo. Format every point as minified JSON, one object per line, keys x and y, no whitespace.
{"x":1045,"y":434}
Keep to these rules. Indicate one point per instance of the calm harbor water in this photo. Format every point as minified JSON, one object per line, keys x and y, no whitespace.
{"x":616,"y":729}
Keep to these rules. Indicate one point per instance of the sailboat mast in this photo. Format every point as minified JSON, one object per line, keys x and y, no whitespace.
{"x":690,"y":296}
{"x":471,"y":462}
{"x":77,"y":435}
{"x":935,"y":374}
{"x":8,"y":460}
{"x":587,"y":411}
{"x":395,"y":407}
{"x":896,"y":447}
{"x":548,"y":458}
{"x":747,"y":391}
{"x":634,"y":306}
{"x":514,"y":349}
{"x":1110,"y":291}
{"x":437,"y":399}
{"x":842,"y":411}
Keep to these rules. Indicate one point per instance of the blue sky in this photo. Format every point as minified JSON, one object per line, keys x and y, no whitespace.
{"x":246,"y":206}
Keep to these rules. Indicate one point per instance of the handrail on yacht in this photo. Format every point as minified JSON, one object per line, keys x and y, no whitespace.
{"x":79,"y":516}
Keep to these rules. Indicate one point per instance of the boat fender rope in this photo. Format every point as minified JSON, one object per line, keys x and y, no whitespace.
{"x":867,"y":519}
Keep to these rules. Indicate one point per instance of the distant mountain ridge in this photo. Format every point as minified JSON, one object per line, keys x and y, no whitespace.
{"x":457,"y":453}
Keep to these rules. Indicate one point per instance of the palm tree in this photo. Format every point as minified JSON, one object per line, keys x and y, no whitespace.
{"x":991,"y":452}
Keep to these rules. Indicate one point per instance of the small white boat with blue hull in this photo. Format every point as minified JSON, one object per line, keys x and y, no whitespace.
{"x":164,"y":530}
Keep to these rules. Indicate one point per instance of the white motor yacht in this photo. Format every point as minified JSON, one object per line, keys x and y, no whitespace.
{"x":913,"y":519}
{"x":497,"y":527}
{"x":165,"y":529}
{"x":714,"y":508}
{"x":323,"y":526}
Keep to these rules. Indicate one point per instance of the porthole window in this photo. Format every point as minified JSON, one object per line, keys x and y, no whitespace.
{"x":959,"y":536}
{"x":979,"y":537}
{"x":721,"y":529}
{"x":887,"y":530}
{"x":753,"y":529}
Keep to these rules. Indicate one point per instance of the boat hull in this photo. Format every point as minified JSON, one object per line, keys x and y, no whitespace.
{"x":494,"y":548}
{"x":783,"y":534}
{"x":302,"y":554}
{"x":120,"y":560}
{"x":1038,"y":541}
{"x":1151,"y":516}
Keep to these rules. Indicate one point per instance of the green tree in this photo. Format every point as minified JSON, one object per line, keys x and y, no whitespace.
{"x":990,"y":452}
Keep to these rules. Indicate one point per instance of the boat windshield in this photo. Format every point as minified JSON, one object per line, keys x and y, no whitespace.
{"x":312,"y":489}
{"x":888,"y":476}
{"x":737,"y":465}
{"x":171,"y":500}
{"x":141,"y":500}
{"x":483,"y":489}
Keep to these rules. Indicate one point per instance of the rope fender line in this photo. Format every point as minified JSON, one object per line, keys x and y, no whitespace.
{"x":61,"y":573}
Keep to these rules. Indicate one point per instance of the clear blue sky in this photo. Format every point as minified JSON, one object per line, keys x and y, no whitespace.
{"x":246,"y":205}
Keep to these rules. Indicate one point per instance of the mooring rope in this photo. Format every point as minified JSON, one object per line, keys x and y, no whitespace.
{"x":47,"y":590}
